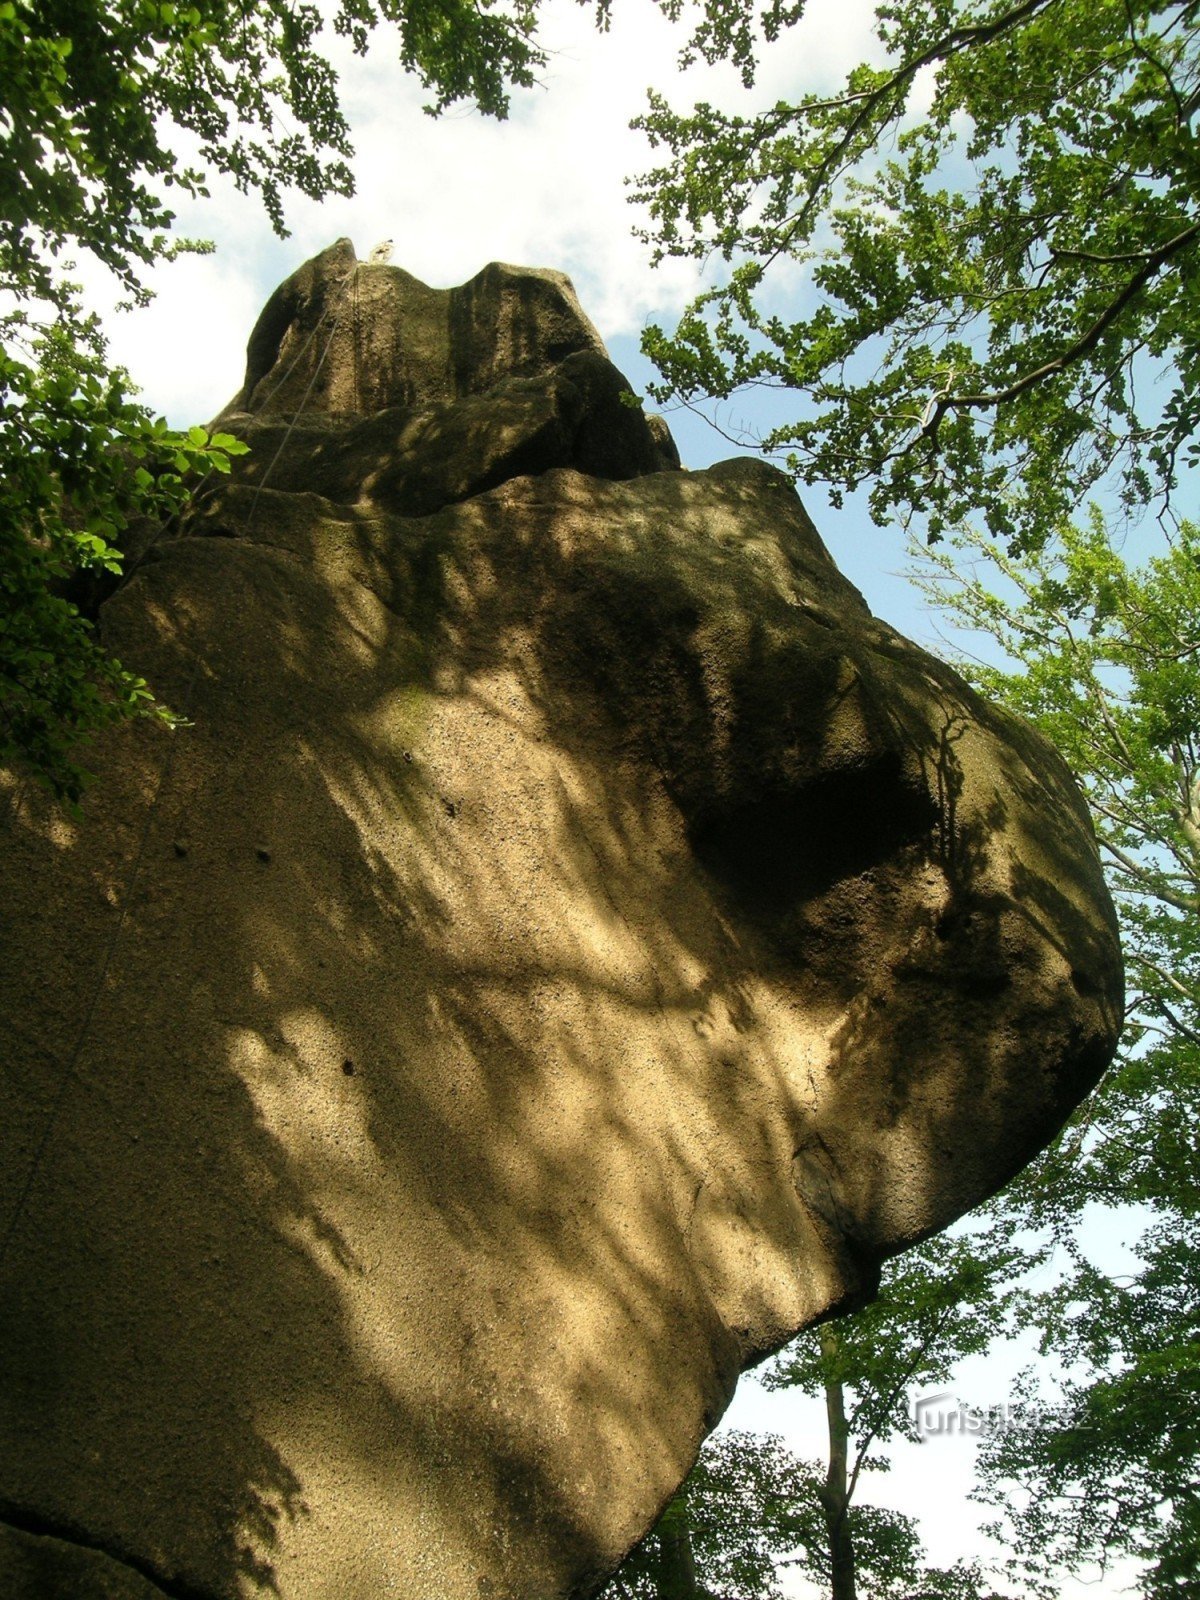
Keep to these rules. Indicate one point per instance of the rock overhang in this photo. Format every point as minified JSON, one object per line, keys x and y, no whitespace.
{"x":575,"y":945}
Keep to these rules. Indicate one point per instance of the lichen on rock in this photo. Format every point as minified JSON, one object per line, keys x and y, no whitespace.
{"x":571,"y":947}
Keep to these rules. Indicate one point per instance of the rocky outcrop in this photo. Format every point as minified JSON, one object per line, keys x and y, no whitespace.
{"x":364,"y":385}
{"x":571,"y":946}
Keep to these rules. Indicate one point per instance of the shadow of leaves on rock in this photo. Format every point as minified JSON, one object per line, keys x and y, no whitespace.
{"x":538,"y":881}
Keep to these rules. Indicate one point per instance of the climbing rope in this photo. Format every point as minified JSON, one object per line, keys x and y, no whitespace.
{"x":291,"y":367}
{"x":261,"y":485}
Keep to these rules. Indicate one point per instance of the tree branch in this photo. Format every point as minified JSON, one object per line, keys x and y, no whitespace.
{"x":1168,"y":978}
{"x":941,"y":50}
{"x":1155,"y":886}
{"x":1087,"y":341}
{"x":1178,"y":1025}
{"x":892,"y":1396}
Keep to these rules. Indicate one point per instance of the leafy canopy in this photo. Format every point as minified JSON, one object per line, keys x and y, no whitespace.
{"x":752,"y":1511}
{"x":93,"y":91}
{"x":997,"y":227}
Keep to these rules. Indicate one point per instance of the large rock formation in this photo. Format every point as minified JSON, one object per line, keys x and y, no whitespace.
{"x":571,"y":946}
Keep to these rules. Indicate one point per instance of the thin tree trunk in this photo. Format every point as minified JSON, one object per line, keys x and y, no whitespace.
{"x":676,"y":1564}
{"x":835,"y":1497}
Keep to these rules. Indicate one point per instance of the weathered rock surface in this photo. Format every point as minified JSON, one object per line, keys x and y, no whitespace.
{"x":571,"y":947}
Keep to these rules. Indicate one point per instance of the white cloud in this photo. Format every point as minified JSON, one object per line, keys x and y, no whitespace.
{"x":544,"y":188}
{"x":186,"y":349}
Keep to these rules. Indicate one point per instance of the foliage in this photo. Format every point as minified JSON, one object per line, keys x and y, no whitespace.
{"x":997,"y":227}
{"x":753,"y":1510}
{"x":744,"y":1517}
{"x":1105,"y":657}
{"x":937,"y":1303}
{"x":96,"y":98}
{"x":942,"y":1301}
{"x":1112,"y":1469}
{"x":79,"y":461}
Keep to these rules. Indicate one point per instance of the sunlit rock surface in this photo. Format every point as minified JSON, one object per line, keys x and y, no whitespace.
{"x":571,"y":946}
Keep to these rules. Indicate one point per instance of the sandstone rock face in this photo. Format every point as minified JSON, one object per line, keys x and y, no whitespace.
{"x":572,"y":945}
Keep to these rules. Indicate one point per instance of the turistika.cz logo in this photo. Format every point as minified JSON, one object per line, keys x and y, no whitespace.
{"x":943,"y":1415}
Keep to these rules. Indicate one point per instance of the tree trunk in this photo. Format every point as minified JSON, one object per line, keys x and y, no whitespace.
{"x":676,"y":1565}
{"x":835,"y":1498}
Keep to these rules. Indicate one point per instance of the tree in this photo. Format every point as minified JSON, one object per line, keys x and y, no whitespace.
{"x":751,"y":1508}
{"x":1105,"y":658}
{"x":1004,"y":286}
{"x":1004,"y":319}
{"x":739,"y":1516}
{"x":93,"y":91}
{"x":93,"y":94}
{"x":944,"y":1300}
{"x":79,"y":462}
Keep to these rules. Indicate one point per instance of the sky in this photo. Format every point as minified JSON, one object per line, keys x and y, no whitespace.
{"x":548,"y":188}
